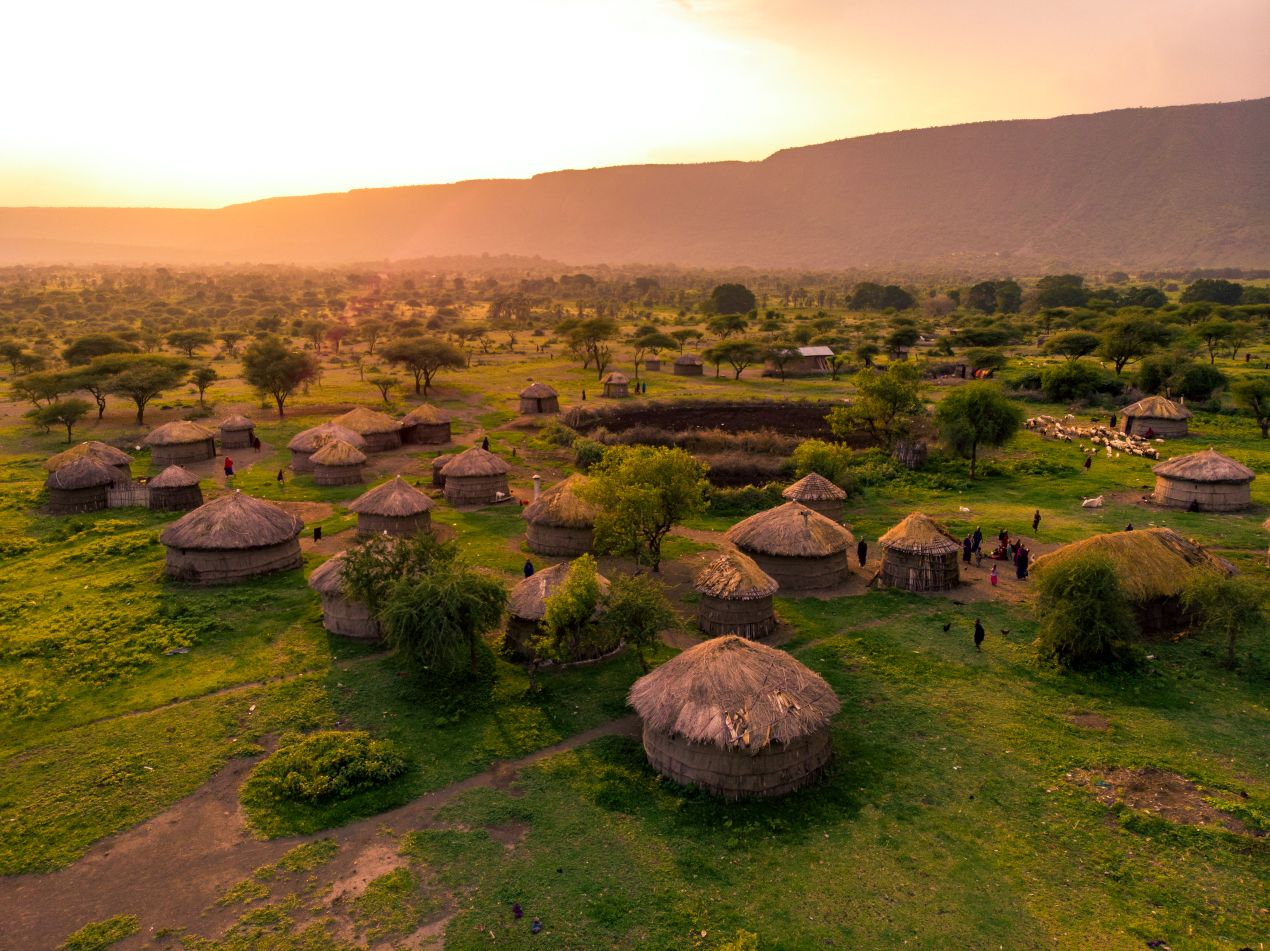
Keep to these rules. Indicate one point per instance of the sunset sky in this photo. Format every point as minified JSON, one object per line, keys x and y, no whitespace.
{"x":204,"y":104}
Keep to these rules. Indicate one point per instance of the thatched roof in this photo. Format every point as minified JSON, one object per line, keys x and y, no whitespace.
{"x":735,"y":694}
{"x":366,"y":421}
{"x":561,"y":506}
{"x":174,"y":477}
{"x":791,"y":530}
{"x":1156,"y":407}
{"x":232,"y":522}
{"x":1208,"y":465}
{"x":328,"y":577}
{"x":736,"y":577}
{"x":395,"y":498}
{"x":179,"y":433}
{"x":814,"y":487}
{"x":311,"y":440}
{"x":236,"y":424}
{"x":98,"y":450}
{"x":83,"y":473}
{"x":688,"y":359}
{"x":475,"y":462}
{"x":338,"y":453}
{"x":1150,"y":562}
{"x":425,"y":413}
{"x":528,"y":600}
{"x":537,"y":391}
{"x":920,"y":534}
{"x":616,"y":376}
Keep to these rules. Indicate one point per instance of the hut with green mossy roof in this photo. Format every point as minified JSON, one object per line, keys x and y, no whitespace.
{"x":232,"y":538}
{"x":340,"y":614}
{"x":736,"y":597}
{"x":560,"y":522}
{"x":1203,"y":482}
{"x":179,"y":442}
{"x":919,"y":554}
{"x":393,"y":508}
{"x":80,"y":485}
{"x":803,"y":550}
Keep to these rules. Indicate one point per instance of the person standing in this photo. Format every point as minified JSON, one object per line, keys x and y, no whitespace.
{"x":1025,"y":556}
{"x":281,"y":475}
{"x":1088,"y":462}
{"x":977,"y":538}
{"x":862,"y":551}
{"x":978,"y":634}
{"x":993,"y":577}
{"x":1129,"y":527}
{"x":966,"y":545}
{"x":529,"y":568}
{"x":1113,"y":420}
{"x":1036,"y":520}
{"x":229,"y":468}
{"x":485,"y":444}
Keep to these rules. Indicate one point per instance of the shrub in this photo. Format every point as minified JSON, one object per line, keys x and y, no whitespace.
{"x":1223,"y":608}
{"x":1076,"y":380}
{"x":587,"y":452}
{"x":828,"y":459}
{"x":325,"y":766}
{"x":1086,"y":621}
{"x":745,"y":500}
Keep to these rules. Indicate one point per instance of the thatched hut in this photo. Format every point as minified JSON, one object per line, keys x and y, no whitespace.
{"x":475,"y":477}
{"x":174,"y":490}
{"x":102,"y":452}
{"x":736,"y":597}
{"x":341,"y":615}
{"x":615,"y":384}
{"x":425,"y":425}
{"x":231,"y":538}
{"x":394,"y":508}
{"x":1153,"y":565}
{"x":653,"y":364}
{"x":181,"y":441}
{"x":1156,"y":415}
{"x":918,"y":554}
{"x":527,"y":606}
{"x":800,"y":548}
{"x":80,"y":486}
{"x":818,"y":494}
{"x":538,"y":399}
{"x":438,"y":469}
{"x":1206,"y":481}
{"x":380,"y":430}
{"x":305,"y":443}
{"x":736,"y":718}
{"x":688,"y":364}
{"x":559,"y":522}
{"x":237,"y":432}
{"x":337,"y":463}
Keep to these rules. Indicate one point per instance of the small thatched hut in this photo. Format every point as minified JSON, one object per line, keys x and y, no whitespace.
{"x":1156,"y":415}
{"x":800,"y":548}
{"x":231,"y":538}
{"x":1153,"y":565}
{"x":380,"y":430}
{"x":305,"y":443}
{"x":394,"y":508}
{"x":537,"y":399}
{"x":425,"y":425}
{"x":237,"y":432}
{"x":181,"y":441}
{"x":475,"y":477}
{"x":818,"y":494}
{"x":80,"y":486}
{"x":736,"y":718}
{"x":559,"y":522}
{"x":688,"y":364}
{"x":918,"y":554}
{"x":653,"y":364}
{"x":1207,"y":481}
{"x":527,"y":605}
{"x":615,"y":384}
{"x":102,"y":452}
{"x":174,"y":490}
{"x":736,"y":597}
{"x":438,"y":469}
{"x":337,"y":463}
{"x":340,"y":615}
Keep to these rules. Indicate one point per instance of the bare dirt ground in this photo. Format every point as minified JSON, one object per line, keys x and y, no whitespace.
{"x":1156,"y":792}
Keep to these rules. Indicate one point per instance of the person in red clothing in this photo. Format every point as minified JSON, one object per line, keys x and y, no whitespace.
{"x":229,"y":468}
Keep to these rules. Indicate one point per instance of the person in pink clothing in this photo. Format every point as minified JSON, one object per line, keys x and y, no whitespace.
{"x":993,"y":576}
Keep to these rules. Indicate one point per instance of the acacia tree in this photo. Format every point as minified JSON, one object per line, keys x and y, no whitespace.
{"x":142,"y":377}
{"x":590,"y":338}
{"x":87,"y":348}
{"x":976,"y":415}
{"x":1072,"y":344}
{"x":385,"y":384}
{"x":201,"y":379}
{"x":780,"y":355}
{"x":370,"y":331}
{"x":1130,"y":338}
{"x":650,"y":342}
{"x":739,"y":354}
{"x":61,"y":413}
{"x":1253,"y":394}
{"x":425,"y":357}
{"x":1086,"y":621}
{"x":41,"y":388}
{"x":189,"y":340}
{"x":886,"y":404}
{"x":273,"y":368}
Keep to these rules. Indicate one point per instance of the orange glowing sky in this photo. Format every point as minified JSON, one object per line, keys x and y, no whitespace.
{"x":203,"y":104}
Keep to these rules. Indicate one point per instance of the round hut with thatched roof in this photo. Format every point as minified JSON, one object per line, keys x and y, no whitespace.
{"x":800,"y":548}
{"x":181,"y":441}
{"x":237,"y":432}
{"x":231,"y":538}
{"x":438,"y":469}
{"x":102,"y":452}
{"x":381,"y":432}
{"x":475,"y":477}
{"x":1153,"y":565}
{"x":736,"y":597}
{"x":918,"y":554}
{"x":306,"y":442}
{"x":1203,"y":481}
{"x":818,"y":494}
{"x":393,"y":508}
{"x":174,"y":490}
{"x":1155,"y":415}
{"x":337,"y":463}
{"x":559,"y":522}
{"x":537,"y":399}
{"x":425,"y":425}
{"x":340,"y":614}
{"x":615,"y":384}
{"x":80,"y":486}
{"x":688,"y":364}
{"x":527,"y":606}
{"x":736,"y":718}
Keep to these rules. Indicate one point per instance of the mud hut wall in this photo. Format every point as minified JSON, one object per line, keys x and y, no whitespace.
{"x":181,"y":498}
{"x":688,"y":369}
{"x":301,"y":461}
{"x":1211,"y":496}
{"x":475,"y":490}
{"x":348,"y":618}
{"x":426,"y":434}
{"x":753,"y":619}
{"x":740,"y":774}
{"x":1165,"y":428}
{"x":163,"y":456}
{"x":337,"y":475}
{"x":382,"y":442}
{"x":559,"y":540}
{"x":199,"y":566}
{"x":914,"y":572}
{"x":536,"y":406}
{"x":615,"y":390}
{"x":236,"y":438}
{"x":803,"y":574}
{"x":829,"y":508}
{"x":399,"y":526}
{"x":91,"y":498}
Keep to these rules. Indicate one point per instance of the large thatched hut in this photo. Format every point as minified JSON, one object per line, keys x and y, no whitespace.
{"x":337,"y":463}
{"x":475,"y":477}
{"x":1153,"y":565}
{"x":425,"y":425}
{"x":736,"y":597}
{"x":527,"y":606}
{"x":818,"y":494}
{"x":306,"y":442}
{"x":394,"y":508}
{"x":80,"y":486}
{"x":559,"y":522}
{"x":1205,"y":481}
{"x":1155,"y":415}
{"x":102,"y":452}
{"x":231,"y":538}
{"x":800,"y":548}
{"x":736,"y":718}
{"x":340,"y":614}
{"x":688,"y":364}
{"x":918,"y":554}
{"x":380,"y":430}
{"x":237,"y":432}
{"x":537,"y":399}
{"x":174,"y":490}
{"x":615,"y":384}
{"x":181,"y":441}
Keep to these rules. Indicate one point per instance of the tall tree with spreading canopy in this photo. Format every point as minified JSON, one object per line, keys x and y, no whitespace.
{"x":64,"y":413}
{"x":90,"y":346}
{"x":885,"y":404}
{"x":275,"y":369}
{"x":142,"y":377}
{"x":738,"y":354}
{"x":425,"y":357}
{"x":976,"y":415}
{"x":187,"y":341}
{"x":732,"y":299}
{"x":201,"y":379}
{"x":590,"y":338}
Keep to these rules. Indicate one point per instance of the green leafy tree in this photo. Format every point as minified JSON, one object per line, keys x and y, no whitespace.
{"x":1253,"y":394}
{"x":868,"y":295}
{"x":682,"y":337}
{"x":1214,"y":334}
{"x":188,"y":341}
{"x":385,"y":385}
{"x":901,"y":338}
{"x":647,"y":343}
{"x":636,"y":610}
{"x":866,"y":353}
{"x":781,"y":355}
{"x":202,"y":378}
{"x":1130,"y":338}
{"x":86,"y":348}
{"x":569,"y":629}
{"x":61,"y":413}
{"x":1073,"y":380}
{"x":272,"y":367}
{"x":1072,"y":344}
{"x":12,"y":351}
{"x":1086,"y":621}
{"x":974,"y":416}
{"x":425,"y":357}
{"x":143,"y":377}
{"x":983,"y":297}
{"x":40,"y":388}
{"x":590,"y":338}
{"x":370,"y":331}
{"x":829,"y":459}
{"x":726,"y":325}
{"x":1223,"y":608}
{"x":230,"y":339}
{"x":1061,"y":290}
{"x":738,"y":354}
{"x":1214,"y":290}
{"x":885,"y":404}
{"x":732,"y":299}
{"x":314,"y":330}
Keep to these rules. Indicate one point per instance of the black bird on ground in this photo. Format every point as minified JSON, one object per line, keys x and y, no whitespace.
{"x":947,"y":626}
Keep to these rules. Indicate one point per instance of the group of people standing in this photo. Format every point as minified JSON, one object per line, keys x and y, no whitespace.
{"x":1007,"y":550}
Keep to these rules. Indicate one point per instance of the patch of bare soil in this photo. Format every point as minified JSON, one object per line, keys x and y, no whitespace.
{"x":1156,"y":792}
{"x":308,"y":511}
{"x":1089,"y":721}
{"x":510,"y":834}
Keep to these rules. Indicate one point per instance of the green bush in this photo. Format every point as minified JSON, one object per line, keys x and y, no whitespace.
{"x":1077,"y":380}
{"x":587,"y":452}
{"x":829,"y":459}
{"x":745,"y":500}
{"x":325,"y":766}
{"x":556,"y":433}
{"x":1086,"y":621}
